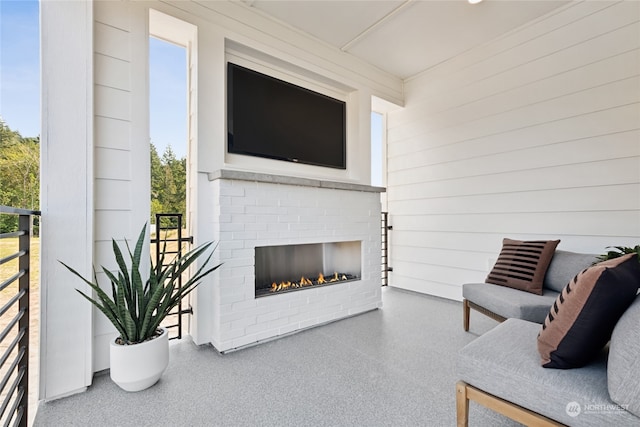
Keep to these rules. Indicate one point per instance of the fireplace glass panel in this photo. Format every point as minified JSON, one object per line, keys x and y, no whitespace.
{"x":284,"y":268}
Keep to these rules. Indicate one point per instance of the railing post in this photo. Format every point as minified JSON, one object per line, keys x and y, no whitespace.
{"x":24,"y":244}
{"x":14,"y":384}
{"x":162,"y":250}
{"x":385,"y":248}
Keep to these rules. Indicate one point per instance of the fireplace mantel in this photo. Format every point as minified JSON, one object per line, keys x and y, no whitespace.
{"x":291,"y":180}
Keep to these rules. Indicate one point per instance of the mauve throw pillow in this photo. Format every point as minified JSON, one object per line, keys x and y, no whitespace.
{"x":581,"y":320}
{"x":523,"y":264}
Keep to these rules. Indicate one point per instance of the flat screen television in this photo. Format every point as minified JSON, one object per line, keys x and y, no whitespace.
{"x":268,"y":117}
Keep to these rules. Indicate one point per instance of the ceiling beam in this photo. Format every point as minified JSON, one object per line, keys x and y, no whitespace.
{"x":376,"y":24}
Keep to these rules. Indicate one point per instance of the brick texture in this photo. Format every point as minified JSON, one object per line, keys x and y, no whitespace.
{"x":249,"y":214}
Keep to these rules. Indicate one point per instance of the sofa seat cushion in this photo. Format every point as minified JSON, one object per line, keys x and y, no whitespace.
{"x":508,"y":302}
{"x":505,"y":363}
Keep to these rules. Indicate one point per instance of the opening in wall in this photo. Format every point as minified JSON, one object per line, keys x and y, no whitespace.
{"x":377,"y":153}
{"x":171,"y":89}
{"x":288,"y":268}
{"x":168,"y":127}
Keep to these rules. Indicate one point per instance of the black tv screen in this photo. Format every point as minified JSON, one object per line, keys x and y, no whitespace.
{"x":268,"y":117}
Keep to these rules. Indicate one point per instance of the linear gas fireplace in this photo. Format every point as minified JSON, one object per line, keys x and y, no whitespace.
{"x":288,"y":268}
{"x":297,"y":253}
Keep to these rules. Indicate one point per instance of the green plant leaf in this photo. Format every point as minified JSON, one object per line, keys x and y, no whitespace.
{"x":137,"y":307}
{"x":106,"y":305}
{"x":136,"y":278}
{"x":113,"y":317}
{"x":618,"y":251}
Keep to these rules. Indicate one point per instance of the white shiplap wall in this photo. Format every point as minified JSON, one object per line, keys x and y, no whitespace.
{"x":121,"y":153}
{"x":535,"y":135}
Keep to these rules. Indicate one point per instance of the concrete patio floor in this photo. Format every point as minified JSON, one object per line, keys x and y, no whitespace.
{"x":390,"y":367}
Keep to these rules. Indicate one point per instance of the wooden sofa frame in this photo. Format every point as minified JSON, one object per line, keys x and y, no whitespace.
{"x":466,"y":312}
{"x":465,"y":393}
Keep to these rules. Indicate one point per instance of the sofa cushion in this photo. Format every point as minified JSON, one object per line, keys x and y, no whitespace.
{"x":581,"y":320}
{"x":505,"y":363}
{"x":523,"y":264}
{"x":508,"y":302}
{"x":623,"y":369}
{"x":564,"y":266}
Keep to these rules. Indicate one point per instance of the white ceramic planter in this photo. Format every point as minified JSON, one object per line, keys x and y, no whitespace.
{"x":139,"y":366}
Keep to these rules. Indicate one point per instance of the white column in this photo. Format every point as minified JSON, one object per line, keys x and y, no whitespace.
{"x":66,"y":195}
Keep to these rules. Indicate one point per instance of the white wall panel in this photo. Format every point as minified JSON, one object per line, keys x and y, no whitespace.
{"x":577,"y":174}
{"x":115,"y":224}
{"x":470,"y":88}
{"x":121,"y":154}
{"x":112,"y":164}
{"x":112,"y":133}
{"x":105,"y":13}
{"x":617,"y":224}
{"x":66,"y":196}
{"x":530,"y":153}
{"x":535,"y":135}
{"x":111,"y":72}
{"x":606,"y":122}
{"x":579,"y":78}
{"x":602,"y":122}
{"x":114,"y":195}
{"x":111,"y":41}
{"x":112,"y":102}
{"x":614,"y":197}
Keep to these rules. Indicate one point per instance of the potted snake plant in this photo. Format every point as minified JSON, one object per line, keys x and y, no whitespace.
{"x":136,"y":307}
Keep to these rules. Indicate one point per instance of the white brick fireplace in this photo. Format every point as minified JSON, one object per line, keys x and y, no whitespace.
{"x":260,"y":210}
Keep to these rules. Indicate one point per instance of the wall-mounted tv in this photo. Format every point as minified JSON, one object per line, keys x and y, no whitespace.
{"x":268,"y":117}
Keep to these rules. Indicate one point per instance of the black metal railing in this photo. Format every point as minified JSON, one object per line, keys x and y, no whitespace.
{"x":169,"y":242}
{"x":14,"y":320}
{"x":385,"y":248}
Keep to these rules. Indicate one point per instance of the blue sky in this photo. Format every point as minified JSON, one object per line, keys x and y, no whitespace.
{"x":20,"y":66}
{"x":168,"y":96}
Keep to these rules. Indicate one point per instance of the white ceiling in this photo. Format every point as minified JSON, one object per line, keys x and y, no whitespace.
{"x":404,"y":37}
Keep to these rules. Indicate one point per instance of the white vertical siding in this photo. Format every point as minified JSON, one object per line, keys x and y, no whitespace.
{"x":535,"y":135}
{"x":66,"y":196}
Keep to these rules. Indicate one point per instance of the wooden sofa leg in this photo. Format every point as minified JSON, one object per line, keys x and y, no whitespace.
{"x":462,"y":405}
{"x":465,"y":314}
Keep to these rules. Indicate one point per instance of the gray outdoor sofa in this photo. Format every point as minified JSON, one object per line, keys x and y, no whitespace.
{"x":501,"y":370}
{"x":501,"y":303}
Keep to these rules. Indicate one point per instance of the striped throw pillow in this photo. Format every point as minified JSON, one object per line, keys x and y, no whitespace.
{"x":523,"y":264}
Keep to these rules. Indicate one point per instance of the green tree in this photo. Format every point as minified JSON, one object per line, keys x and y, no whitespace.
{"x":175,"y":177}
{"x":8,"y":136}
{"x":168,"y":183}
{"x":156,"y":183}
{"x":19,"y":173}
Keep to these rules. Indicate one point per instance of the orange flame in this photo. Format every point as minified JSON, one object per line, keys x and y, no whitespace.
{"x":284,"y":285}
